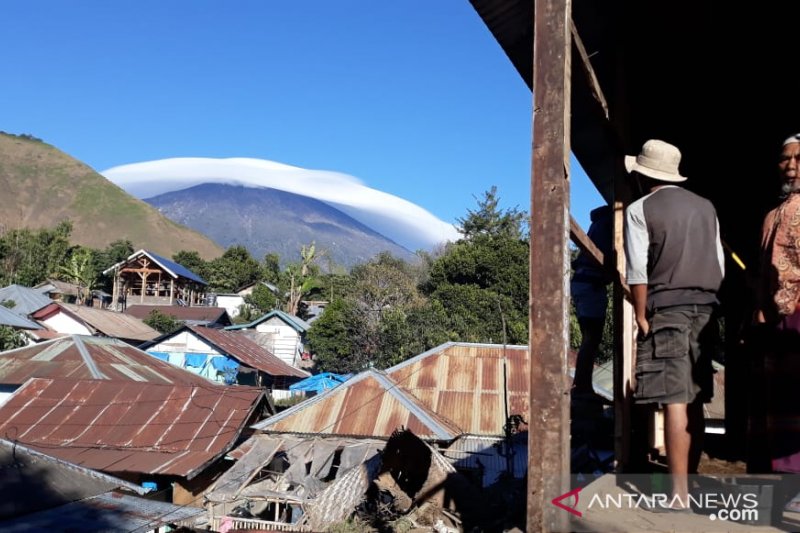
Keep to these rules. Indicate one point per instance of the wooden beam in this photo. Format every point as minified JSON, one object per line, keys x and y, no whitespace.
{"x":549,"y":431}
{"x":586,"y":64}
{"x":582,"y":241}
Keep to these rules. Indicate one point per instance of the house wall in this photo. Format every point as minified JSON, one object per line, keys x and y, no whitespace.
{"x":190,"y":493}
{"x":231,"y":303}
{"x":184,"y":343}
{"x":63,"y":323}
{"x":285,"y":341}
{"x":490,"y":457}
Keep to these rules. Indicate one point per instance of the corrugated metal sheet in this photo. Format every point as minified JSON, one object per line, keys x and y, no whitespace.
{"x":112,"y":324}
{"x":116,"y":426}
{"x":111,"y":512}
{"x":240,"y":347}
{"x":32,"y":481}
{"x":84,"y":357}
{"x":369,"y":405}
{"x":177,"y":270}
{"x":56,"y":286}
{"x":470,"y":384}
{"x":297,"y":323}
{"x":12,"y":319}
{"x":491,"y":455}
{"x":26,"y":300}
{"x":210,"y":315}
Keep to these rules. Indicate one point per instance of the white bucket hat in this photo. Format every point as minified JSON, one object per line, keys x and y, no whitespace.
{"x":657,"y":160}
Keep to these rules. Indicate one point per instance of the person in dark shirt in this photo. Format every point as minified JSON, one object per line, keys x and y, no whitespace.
{"x":588,"y":289}
{"x":675,"y":267}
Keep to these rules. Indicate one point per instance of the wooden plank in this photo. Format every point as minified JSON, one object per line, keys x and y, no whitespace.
{"x":549,"y":433}
{"x":624,"y":344}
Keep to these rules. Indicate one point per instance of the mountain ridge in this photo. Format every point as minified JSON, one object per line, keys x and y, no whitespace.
{"x":44,"y":186}
{"x":266,"y":220}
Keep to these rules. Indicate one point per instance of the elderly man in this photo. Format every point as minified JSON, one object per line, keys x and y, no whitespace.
{"x":675,"y":268}
{"x":779,"y":309}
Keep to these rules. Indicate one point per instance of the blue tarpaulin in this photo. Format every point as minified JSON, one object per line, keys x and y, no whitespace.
{"x":320,"y":382}
{"x":164,"y":356}
{"x":197,"y":360}
{"x":224,"y":364}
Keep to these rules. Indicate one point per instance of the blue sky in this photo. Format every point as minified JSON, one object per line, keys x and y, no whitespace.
{"x":413,"y":97}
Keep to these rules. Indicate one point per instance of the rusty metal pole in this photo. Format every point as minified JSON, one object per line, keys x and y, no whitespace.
{"x":549,"y":430}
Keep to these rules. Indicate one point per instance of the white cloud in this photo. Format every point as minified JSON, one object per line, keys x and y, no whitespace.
{"x":402,"y":221}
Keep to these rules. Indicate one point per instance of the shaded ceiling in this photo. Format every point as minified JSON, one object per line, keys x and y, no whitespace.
{"x":717,"y":80}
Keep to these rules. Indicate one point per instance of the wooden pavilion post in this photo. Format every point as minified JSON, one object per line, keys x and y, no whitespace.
{"x":549,"y":431}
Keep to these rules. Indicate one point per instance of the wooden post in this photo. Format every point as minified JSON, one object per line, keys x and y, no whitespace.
{"x":115,"y":292}
{"x":171,"y":289}
{"x":624,"y":345}
{"x":549,"y":431}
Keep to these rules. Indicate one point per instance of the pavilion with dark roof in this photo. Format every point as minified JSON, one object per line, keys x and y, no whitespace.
{"x":148,"y":278}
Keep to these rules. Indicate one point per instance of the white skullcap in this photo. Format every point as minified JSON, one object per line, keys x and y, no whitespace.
{"x":792,"y":139}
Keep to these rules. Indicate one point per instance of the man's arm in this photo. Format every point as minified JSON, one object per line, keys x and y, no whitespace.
{"x":639,"y":297}
{"x":637,"y":243}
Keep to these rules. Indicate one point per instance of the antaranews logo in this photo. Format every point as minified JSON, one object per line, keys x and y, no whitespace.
{"x":573,"y":493}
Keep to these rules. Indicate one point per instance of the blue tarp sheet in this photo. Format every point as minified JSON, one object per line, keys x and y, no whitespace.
{"x":320,"y":382}
{"x":197,"y":360}
{"x":164,"y":356}
{"x":223,"y":364}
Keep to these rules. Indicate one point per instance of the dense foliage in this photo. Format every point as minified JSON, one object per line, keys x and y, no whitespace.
{"x":162,"y":322}
{"x":10,"y":338}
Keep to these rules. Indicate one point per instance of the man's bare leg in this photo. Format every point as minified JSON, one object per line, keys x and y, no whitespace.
{"x":678,"y":441}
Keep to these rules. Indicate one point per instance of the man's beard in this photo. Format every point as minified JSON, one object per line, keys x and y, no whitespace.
{"x":789,"y":187}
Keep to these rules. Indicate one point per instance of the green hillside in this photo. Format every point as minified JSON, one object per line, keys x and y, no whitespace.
{"x":42,"y":186}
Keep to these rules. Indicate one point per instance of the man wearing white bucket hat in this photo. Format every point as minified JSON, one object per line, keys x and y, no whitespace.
{"x":675,"y":268}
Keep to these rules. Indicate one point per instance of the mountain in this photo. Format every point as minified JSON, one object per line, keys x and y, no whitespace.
{"x":267,"y":220}
{"x":42,"y":186}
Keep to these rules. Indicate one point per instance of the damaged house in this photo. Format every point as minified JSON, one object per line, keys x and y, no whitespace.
{"x":463,"y":402}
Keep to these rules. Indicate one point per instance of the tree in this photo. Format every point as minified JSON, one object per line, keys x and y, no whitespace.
{"x":30,"y":257}
{"x":262,"y":300}
{"x":11,"y":338}
{"x":482,"y":280}
{"x":332,"y":339}
{"x":411,"y":331}
{"x":162,"y":322}
{"x":302,"y":277}
{"x":80,"y":270}
{"x":491,"y":221}
{"x":234,"y":269}
{"x":271,"y":268}
{"x":114,"y":253}
{"x":191,"y":260}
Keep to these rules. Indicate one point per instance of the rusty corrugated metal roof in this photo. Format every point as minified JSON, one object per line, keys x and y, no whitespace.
{"x":85,"y":357}
{"x":367,"y":405}
{"x":196,"y":313}
{"x":470,"y":384}
{"x":117,"y":426}
{"x":112,"y":324}
{"x":242,"y":348}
